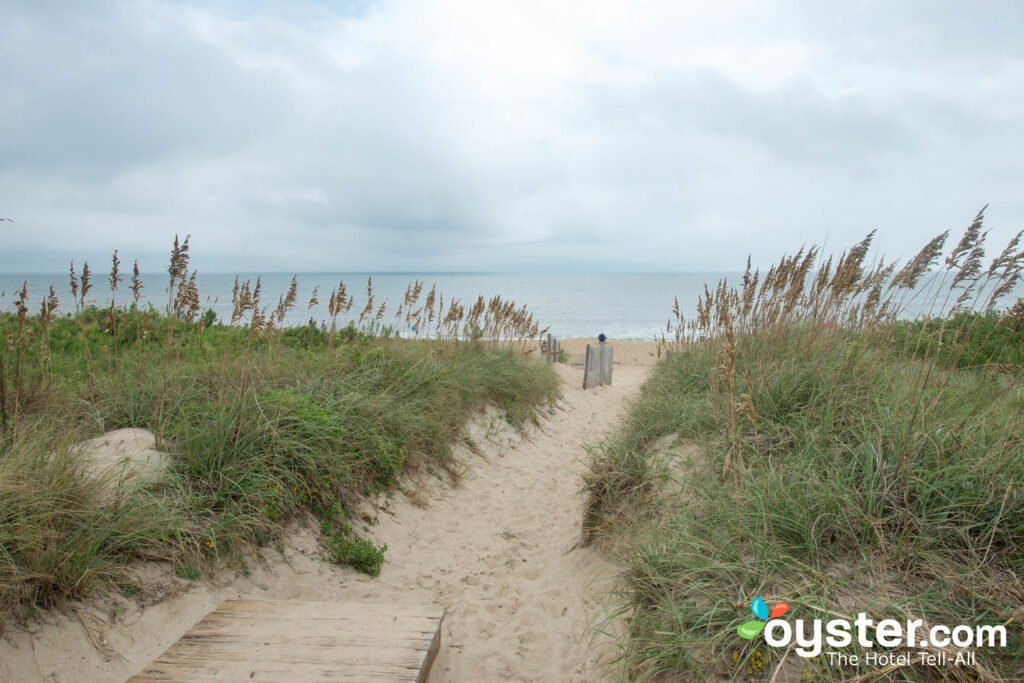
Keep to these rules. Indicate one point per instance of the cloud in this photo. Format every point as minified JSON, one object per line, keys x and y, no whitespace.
{"x":455,"y":135}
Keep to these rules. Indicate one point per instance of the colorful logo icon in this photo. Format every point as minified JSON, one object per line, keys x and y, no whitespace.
{"x":749,"y":629}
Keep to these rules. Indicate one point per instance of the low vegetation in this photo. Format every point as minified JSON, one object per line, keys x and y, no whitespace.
{"x":991,"y":340}
{"x":346,"y":548}
{"x":830,"y":456}
{"x":262,"y":422}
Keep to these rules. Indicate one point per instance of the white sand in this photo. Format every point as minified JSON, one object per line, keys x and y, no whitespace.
{"x":499,"y":550}
{"x":123,"y":458}
{"x":627,"y":351}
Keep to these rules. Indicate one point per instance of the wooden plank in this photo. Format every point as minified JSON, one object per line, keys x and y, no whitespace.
{"x":606,"y":359}
{"x":597,"y":366}
{"x":261,"y":671}
{"x":304,"y":641}
{"x":239,"y":627}
{"x":428,"y":661}
{"x":586,"y":368}
{"x":321,"y":651}
{"x":335,"y":610}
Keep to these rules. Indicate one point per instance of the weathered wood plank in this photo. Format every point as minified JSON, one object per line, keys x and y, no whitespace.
{"x":262,"y":671}
{"x":223,"y":650}
{"x":597,"y":366}
{"x":304,"y":631}
{"x":428,"y":661}
{"x":587,"y":368}
{"x":304,"y":641}
{"x":342,"y":610}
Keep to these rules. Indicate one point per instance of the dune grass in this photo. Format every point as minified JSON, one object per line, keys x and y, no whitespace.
{"x":846,"y":462}
{"x":262,"y":422}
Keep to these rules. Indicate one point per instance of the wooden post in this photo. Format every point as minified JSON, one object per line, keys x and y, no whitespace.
{"x":668,"y":355}
{"x":606,"y":364}
{"x":586,"y":367}
{"x":597,"y":366}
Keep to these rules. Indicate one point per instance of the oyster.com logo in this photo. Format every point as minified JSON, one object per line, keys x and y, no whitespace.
{"x":931,"y":641}
{"x":750,"y":629}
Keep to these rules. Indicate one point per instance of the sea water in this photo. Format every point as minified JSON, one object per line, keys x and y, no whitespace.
{"x":621,"y":305}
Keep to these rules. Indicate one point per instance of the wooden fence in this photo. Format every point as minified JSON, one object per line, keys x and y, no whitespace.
{"x":597,"y":366}
{"x":553,"y":349}
{"x":597,"y":361}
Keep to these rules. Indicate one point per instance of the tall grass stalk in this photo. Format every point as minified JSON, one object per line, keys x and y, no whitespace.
{"x":872,"y":464}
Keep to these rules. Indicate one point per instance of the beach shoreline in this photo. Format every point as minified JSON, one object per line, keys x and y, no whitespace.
{"x":626,"y":352}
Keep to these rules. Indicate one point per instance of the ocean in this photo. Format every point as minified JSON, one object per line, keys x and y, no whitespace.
{"x":582,"y":305}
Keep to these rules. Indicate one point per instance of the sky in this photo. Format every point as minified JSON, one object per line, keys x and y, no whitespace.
{"x":470,"y":135}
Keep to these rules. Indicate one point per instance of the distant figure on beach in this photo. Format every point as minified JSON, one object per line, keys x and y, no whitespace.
{"x":601,"y":338}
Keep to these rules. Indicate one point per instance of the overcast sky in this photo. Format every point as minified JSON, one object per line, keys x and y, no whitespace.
{"x":469,"y":135}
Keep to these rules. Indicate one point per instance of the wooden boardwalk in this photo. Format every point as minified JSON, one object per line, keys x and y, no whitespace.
{"x":270,"y":640}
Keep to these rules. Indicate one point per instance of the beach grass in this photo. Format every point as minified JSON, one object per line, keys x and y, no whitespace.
{"x":805,"y":445}
{"x":263,"y":423}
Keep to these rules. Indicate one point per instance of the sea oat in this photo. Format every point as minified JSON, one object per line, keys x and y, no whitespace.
{"x":136,"y":286}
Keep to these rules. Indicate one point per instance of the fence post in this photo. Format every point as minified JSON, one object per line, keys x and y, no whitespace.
{"x":606,"y":363}
{"x":668,"y":355}
{"x":597,"y":366}
{"x":586,"y":367}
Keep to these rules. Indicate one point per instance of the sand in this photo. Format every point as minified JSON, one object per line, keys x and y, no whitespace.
{"x":627,"y":352}
{"x":123,"y":458}
{"x":499,"y":548}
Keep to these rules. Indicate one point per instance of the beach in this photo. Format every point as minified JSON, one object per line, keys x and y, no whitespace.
{"x":627,"y":352}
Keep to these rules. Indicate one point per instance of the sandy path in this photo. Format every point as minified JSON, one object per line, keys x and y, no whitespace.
{"x":499,"y":550}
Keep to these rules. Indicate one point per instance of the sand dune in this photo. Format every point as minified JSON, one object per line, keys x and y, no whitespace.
{"x":499,"y":549}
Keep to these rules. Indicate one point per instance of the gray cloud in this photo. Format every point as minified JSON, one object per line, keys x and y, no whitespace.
{"x":399,"y":136}
{"x":94,"y":96}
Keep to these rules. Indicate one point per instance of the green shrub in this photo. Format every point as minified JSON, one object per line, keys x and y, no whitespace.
{"x":186,"y":571}
{"x":966,"y":340}
{"x":345,"y":548}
